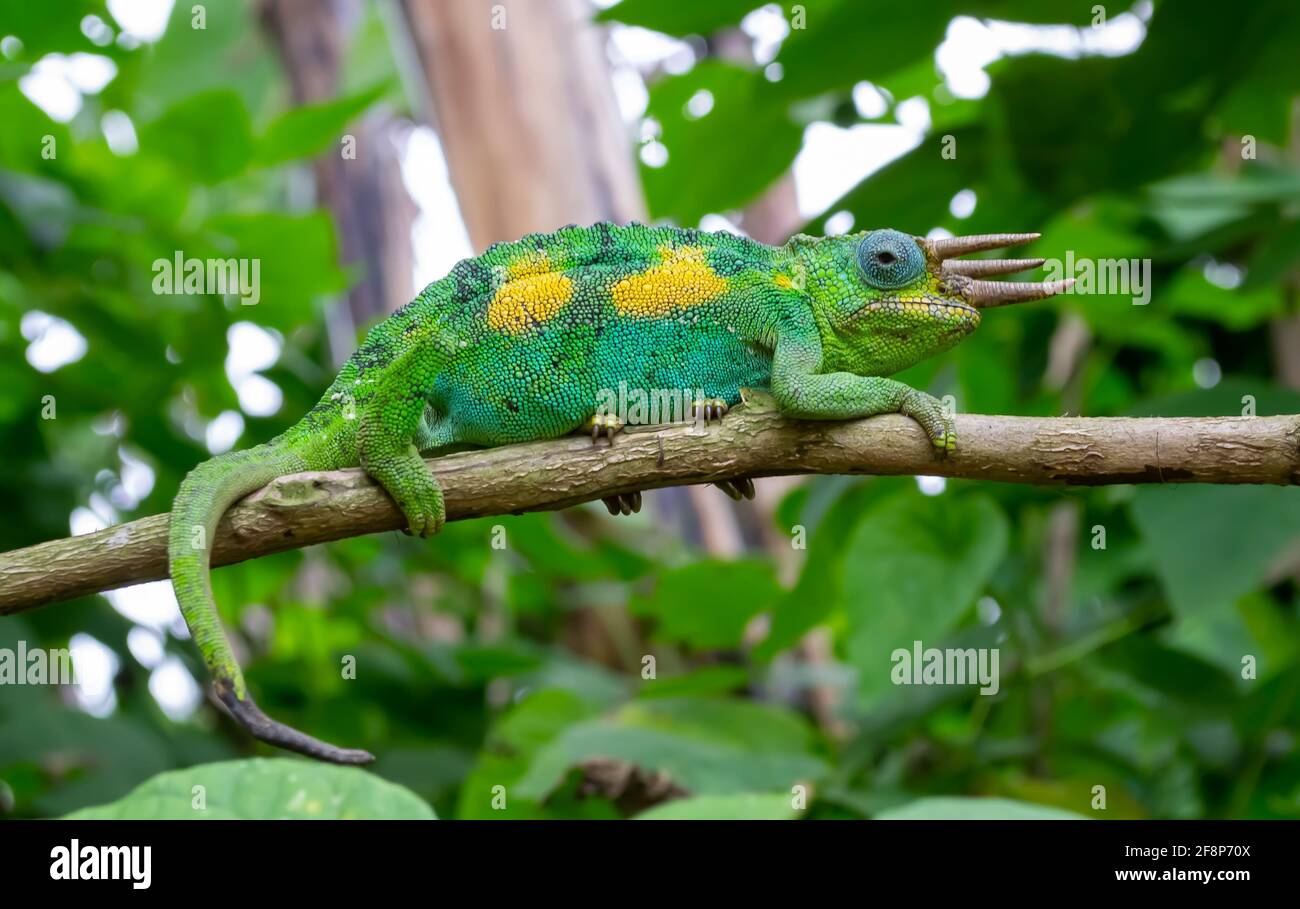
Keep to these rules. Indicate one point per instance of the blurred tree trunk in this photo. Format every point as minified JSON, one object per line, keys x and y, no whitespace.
{"x":523,"y":103}
{"x":372,"y":210}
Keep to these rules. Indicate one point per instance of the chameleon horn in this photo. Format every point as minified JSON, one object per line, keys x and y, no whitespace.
{"x":987,"y":294}
{"x":979,"y":268}
{"x":950,"y":247}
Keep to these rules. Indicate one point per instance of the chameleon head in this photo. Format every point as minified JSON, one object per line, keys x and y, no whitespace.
{"x":889,"y":300}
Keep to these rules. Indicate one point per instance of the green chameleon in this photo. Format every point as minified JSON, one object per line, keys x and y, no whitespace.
{"x":522,"y":342}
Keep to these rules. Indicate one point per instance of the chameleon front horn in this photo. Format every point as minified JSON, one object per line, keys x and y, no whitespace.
{"x":987,"y":294}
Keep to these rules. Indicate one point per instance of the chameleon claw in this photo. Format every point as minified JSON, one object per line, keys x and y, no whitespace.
{"x":739,"y":488}
{"x":623,"y":503}
{"x":263,"y":728}
{"x":606,"y":424}
{"x":945,"y":443}
{"x":709,"y":409}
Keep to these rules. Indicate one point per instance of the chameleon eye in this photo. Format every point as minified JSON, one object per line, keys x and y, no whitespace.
{"x":890,"y":259}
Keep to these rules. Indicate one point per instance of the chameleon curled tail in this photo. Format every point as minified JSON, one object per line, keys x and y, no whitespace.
{"x":205,"y":494}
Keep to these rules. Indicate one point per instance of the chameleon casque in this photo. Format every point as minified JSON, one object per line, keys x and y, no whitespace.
{"x":517,"y":344}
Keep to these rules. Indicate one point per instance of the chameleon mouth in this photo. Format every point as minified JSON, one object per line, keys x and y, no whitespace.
{"x":965,"y":278}
{"x":933,"y":306}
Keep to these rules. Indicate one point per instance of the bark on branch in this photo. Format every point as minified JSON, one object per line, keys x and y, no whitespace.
{"x":753,"y":441}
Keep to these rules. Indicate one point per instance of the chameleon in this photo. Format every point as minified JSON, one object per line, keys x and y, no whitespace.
{"x":519,"y":343}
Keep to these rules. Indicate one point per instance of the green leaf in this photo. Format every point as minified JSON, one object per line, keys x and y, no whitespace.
{"x":208,"y":136}
{"x":524,"y":730}
{"x":1182,"y":678}
{"x":1190,"y":293}
{"x":307,"y":130}
{"x":912,"y":567}
{"x":833,"y":45}
{"x":1212,"y":544}
{"x":229,"y":52}
{"x":725,"y":158}
{"x":297,"y":261}
{"x":913,"y":193}
{"x":835,"y":504}
{"x":264,"y":789}
{"x":960,"y":808}
{"x":707,"y":680}
{"x":1226,"y":399}
{"x":745,"y":806}
{"x":53,"y":28}
{"x":23,"y":141}
{"x":708,"y":604}
{"x":679,"y":17}
{"x":842,"y":44}
{"x":705,"y":746}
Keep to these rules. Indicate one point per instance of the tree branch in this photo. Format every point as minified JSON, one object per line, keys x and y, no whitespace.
{"x":753,"y":441}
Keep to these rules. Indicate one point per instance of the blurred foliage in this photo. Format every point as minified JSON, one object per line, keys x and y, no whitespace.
{"x":525,"y":667}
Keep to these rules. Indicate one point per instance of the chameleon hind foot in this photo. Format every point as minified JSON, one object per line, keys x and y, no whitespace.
{"x":407,"y":479}
{"x":738,"y":488}
{"x":606,"y":424}
{"x":265,"y":729}
{"x":624,"y":503}
{"x":630,"y":502}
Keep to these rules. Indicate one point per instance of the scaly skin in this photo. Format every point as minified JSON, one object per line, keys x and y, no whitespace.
{"x":522,"y":342}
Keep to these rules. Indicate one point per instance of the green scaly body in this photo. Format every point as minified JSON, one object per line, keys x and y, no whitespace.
{"x":525,"y":342}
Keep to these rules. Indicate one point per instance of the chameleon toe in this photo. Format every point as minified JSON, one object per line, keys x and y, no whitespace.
{"x":603,"y":424}
{"x":738,"y":488}
{"x":708,"y":409}
{"x":624,"y":503}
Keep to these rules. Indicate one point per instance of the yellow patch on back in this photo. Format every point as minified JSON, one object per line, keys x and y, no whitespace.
{"x":682,"y":279}
{"x":532,"y":262}
{"x":528,"y":300}
{"x":783,"y":282}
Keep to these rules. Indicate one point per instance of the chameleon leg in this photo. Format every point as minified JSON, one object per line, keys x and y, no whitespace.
{"x":707,"y":409}
{"x":844,"y":396}
{"x":385,"y":440}
{"x":609,"y":425}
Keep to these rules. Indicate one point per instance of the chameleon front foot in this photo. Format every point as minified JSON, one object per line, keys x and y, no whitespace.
{"x":624,"y":503}
{"x":606,"y":424}
{"x":934,"y":418}
{"x":265,"y":729}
